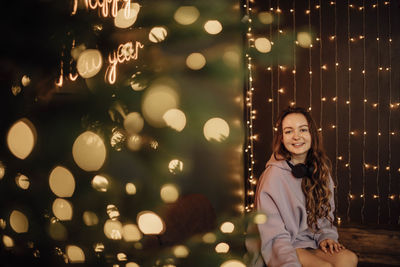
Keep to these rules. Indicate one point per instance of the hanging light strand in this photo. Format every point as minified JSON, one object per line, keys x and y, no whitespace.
{"x":309,"y":55}
{"x":320,"y":62}
{"x":277,"y":55}
{"x":364,"y":117}
{"x":336,"y":114}
{"x":349,"y":112}
{"x":294,"y":53}
{"x":378,"y":109}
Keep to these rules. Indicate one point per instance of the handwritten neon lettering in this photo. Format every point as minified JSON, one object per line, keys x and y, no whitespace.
{"x":104,"y":5}
{"x":124,"y":53}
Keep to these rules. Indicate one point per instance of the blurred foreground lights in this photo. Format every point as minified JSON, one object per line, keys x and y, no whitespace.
{"x":169,"y":193}
{"x":126,"y":17}
{"x":62,"y":182}
{"x":16,"y":89}
{"x":216,"y":129}
{"x":25,"y":80}
{"x":222,"y":247}
{"x":117,"y":139}
{"x":100,"y":183}
{"x":213,"y":27}
{"x":113,"y":229}
{"x":175,"y":119}
{"x":181,"y":251}
{"x":112,"y":212}
{"x":265,"y":17}
{"x":62,"y":209}
{"x":158,"y":34}
{"x":89,"y":151}
{"x":233,"y":263}
{"x":57,"y":231}
{"x":132,"y":264}
{"x":304,"y":39}
{"x":2,"y":170}
{"x":195,"y":61}
{"x":3,"y":224}
{"x":19,"y":222}
{"x":89,"y":63}
{"x":135,"y":85}
{"x":260,"y":218}
{"x":122,"y":256}
{"x":209,"y":238}
{"x":75,"y":254}
{"x":8,"y":241}
{"x":231,"y":57}
{"x":90,"y":218}
{"x":130,"y":188}
{"x":175,"y":166}
{"x":21,"y":138}
{"x":263,"y":45}
{"x":186,"y":15}
{"x":156,"y":101}
{"x":150,"y":223}
{"x":134,"y":142}
{"x":133,"y":123}
{"x":131,"y":233}
{"x":98,"y":247}
{"x":22,"y":181}
{"x":227,"y":227}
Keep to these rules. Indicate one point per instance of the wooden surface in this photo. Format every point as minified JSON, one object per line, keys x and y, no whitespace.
{"x":372,"y":245}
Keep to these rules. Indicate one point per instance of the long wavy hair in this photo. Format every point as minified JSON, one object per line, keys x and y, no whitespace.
{"x":316,"y":189}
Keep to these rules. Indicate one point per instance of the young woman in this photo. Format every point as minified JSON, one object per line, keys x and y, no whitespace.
{"x":296,"y":193}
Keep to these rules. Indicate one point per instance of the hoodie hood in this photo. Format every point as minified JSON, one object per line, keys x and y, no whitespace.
{"x":282,"y":164}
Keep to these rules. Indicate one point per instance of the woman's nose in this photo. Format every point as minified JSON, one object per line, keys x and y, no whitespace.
{"x":296,"y":135}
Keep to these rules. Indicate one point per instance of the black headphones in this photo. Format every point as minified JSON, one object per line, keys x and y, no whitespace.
{"x":301,"y":170}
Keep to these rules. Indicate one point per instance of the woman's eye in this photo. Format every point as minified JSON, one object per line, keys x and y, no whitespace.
{"x":304,"y":130}
{"x":288,"y":132}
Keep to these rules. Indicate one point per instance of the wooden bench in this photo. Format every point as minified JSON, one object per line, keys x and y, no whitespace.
{"x":373,"y":245}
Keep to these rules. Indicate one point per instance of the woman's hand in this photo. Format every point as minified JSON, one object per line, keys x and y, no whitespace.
{"x":329,"y":244}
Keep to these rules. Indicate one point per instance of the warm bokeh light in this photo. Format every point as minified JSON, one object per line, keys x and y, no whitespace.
{"x":186,"y":15}
{"x":89,"y":151}
{"x":100,"y":183}
{"x":62,"y":182}
{"x":3,"y":224}
{"x":158,"y":34}
{"x":57,"y":231}
{"x":117,"y":139}
{"x":132,"y":264}
{"x":136,"y":85}
{"x":89,"y":63}
{"x":98,"y":247}
{"x":265,"y":17}
{"x":175,"y":166}
{"x":181,"y":251}
{"x":169,"y":193}
{"x":90,"y":218}
{"x":112,"y":212}
{"x":227,"y":227}
{"x":304,"y":39}
{"x":113,"y":229}
{"x":130,"y":189}
{"x":127,"y":17}
{"x":25,"y":81}
{"x":213,"y":27}
{"x":150,"y":223}
{"x":263,"y":45}
{"x":62,"y":209}
{"x":22,"y":181}
{"x":8,"y":241}
{"x":21,"y":138}
{"x":232,"y":57}
{"x":121,"y":257}
{"x":233,"y":263}
{"x":19,"y":222}
{"x":75,"y":254}
{"x":2,"y":170}
{"x":16,"y":89}
{"x":216,"y":129}
{"x":195,"y":61}
{"x":260,"y":218}
{"x":209,"y":238}
{"x":156,"y":101}
{"x":131,"y":233}
{"x":133,"y":123}
{"x":134,"y":142}
{"x":222,"y":247}
{"x":175,"y":119}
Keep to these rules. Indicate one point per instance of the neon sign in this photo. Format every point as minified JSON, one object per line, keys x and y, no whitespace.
{"x":105,"y":6}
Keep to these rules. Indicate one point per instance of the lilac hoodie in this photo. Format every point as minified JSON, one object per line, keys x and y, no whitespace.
{"x":280,"y":197}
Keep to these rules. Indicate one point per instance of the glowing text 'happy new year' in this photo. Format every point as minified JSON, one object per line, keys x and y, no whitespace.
{"x":105,"y":6}
{"x":124,"y":53}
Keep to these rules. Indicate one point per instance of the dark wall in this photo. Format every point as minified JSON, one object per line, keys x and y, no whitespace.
{"x":366,"y":167}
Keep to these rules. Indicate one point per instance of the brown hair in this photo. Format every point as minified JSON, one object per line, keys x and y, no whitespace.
{"x":315,"y":189}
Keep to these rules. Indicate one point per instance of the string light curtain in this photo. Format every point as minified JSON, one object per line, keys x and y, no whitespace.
{"x":347,"y":75}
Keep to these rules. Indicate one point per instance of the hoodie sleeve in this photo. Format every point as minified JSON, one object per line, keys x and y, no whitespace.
{"x":276,"y":246}
{"x":327,"y":230}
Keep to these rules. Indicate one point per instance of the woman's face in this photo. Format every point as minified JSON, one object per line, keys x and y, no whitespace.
{"x":296,"y":136}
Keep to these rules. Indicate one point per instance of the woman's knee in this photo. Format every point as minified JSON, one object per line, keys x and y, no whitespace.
{"x":348,"y":258}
